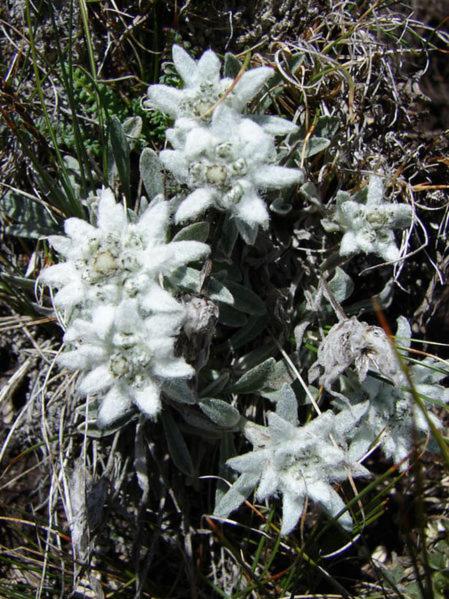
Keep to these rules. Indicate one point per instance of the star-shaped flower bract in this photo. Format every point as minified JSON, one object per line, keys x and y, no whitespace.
{"x":367,"y":222}
{"x":124,"y":357}
{"x":204,"y":90}
{"x":227,"y":165}
{"x":391,"y":417}
{"x":297,"y":463}
{"x":118,"y":259}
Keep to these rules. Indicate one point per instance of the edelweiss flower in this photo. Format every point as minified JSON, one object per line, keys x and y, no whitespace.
{"x":368,"y":222}
{"x":392,"y":416}
{"x":204,"y":90}
{"x":227,"y":164}
{"x":296,"y":462}
{"x":125,"y":357}
{"x":118,"y":259}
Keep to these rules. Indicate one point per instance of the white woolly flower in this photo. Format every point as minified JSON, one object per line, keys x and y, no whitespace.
{"x":368,"y":222}
{"x":297,"y":463}
{"x":125,"y":357}
{"x":227,"y":165}
{"x":204,"y":89}
{"x":118,"y":259}
{"x":392,"y":417}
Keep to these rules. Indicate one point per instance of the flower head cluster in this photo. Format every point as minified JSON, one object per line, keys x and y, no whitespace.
{"x":122,"y":323}
{"x":392,"y":418}
{"x":224,"y":158}
{"x":118,"y":259}
{"x":297,"y":463}
{"x":367,"y":222}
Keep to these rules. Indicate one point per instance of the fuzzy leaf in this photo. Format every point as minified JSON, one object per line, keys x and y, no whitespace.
{"x":254,"y":379}
{"x":231,"y":317}
{"x":151,"y":173}
{"x":194,"y":232}
{"x":254,"y":327}
{"x":23,"y":217}
{"x":120,"y":155}
{"x":132,"y":128}
{"x":236,"y":495}
{"x":179,"y":390}
{"x":177,"y":447}
{"x":220,"y":412}
{"x":218,"y":292}
{"x":246,"y":300}
{"x":232,"y":65}
{"x":341,"y":285}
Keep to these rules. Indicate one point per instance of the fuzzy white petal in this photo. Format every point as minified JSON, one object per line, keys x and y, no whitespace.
{"x":70,"y":294}
{"x":277,"y":177}
{"x":115,"y":403}
{"x":148,"y":399}
{"x":184,"y":64}
{"x":159,"y":300}
{"x":164,"y":324}
{"x":79,"y":230}
{"x":252,"y":210}
{"x":274,"y":125}
{"x":251,"y":83}
{"x":61,"y":244}
{"x":208,"y":67}
{"x":173,"y":369}
{"x":96,"y":380}
{"x":164,"y":98}
{"x":175,"y":162}
{"x":187,"y":251}
{"x":195,"y":204}
{"x":292,"y":508}
{"x":154,"y":221}
{"x":58,"y":274}
{"x":110,"y":215}
{"x":103,"y":319}
{"x":198,"y":141}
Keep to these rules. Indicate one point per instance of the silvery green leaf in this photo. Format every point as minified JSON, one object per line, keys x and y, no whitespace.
{"x":245,"y":300}
{"x":231,"y":317}
{"x":178,"y":390}
{"x":287,"y":405}
{"x":231,"y":66}
{"x":341,"y":285}
{"x":132,"y":128}
{"x":118,"y":155}
{"x":248,"y":232}
{"x":256,"y":356}
{"x":177,"y":447}
{"x":327,"y":126}
{"x":314,"y":146}
{"x":194,"y":232}
{"x":216,"y":385}
{"x":254,"y":379}
{"x":23,"y":217}
{"x":218,"y":292}
{"x":220,"y":412}
{"x":403,"y":332}
{"x":281,"y":375}
{"x":236,"y":495}
{"x":151,"y":173}
{"x":228,"y":237}
{"x":200,"y":424}
{"x":254,"y":327}
{"x":311,"y":192}
{"x":187,"y":278}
